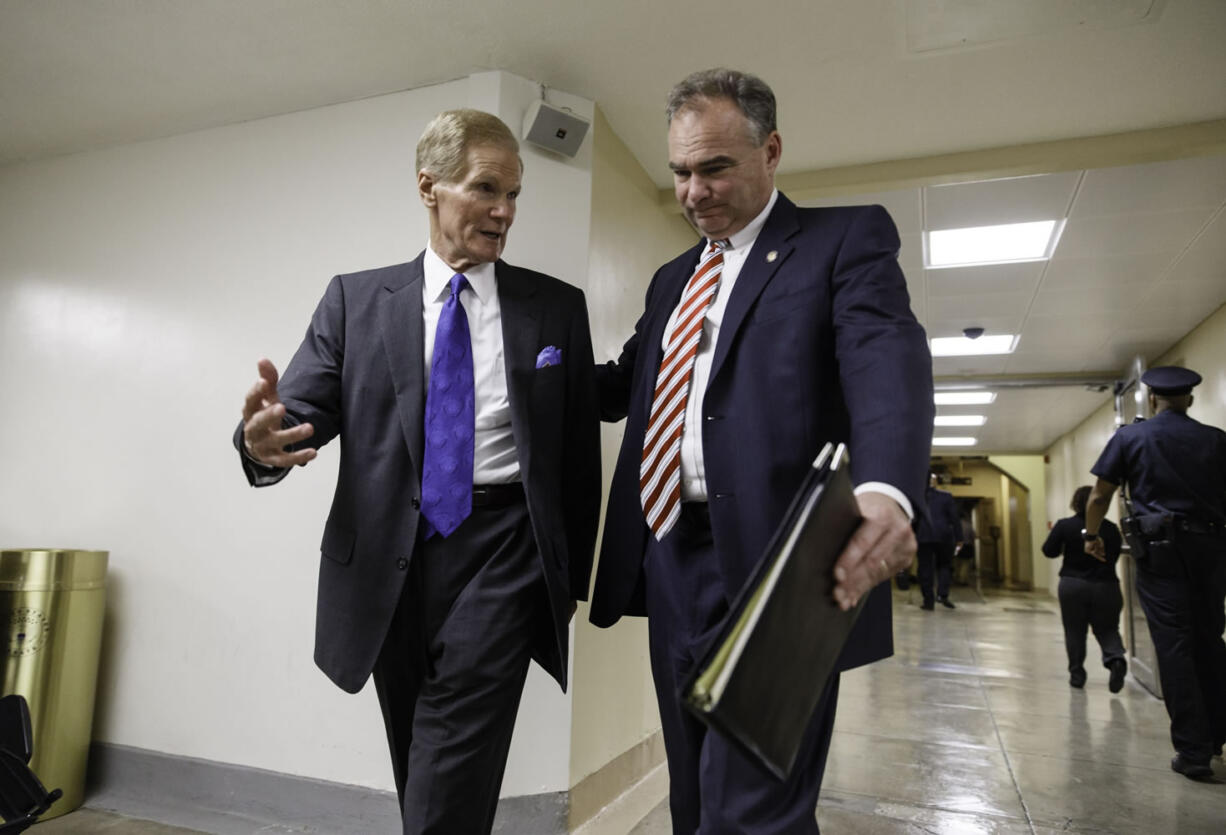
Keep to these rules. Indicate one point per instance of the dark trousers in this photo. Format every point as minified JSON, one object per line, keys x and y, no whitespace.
{"x":714,"y":788}
{"x":1182,"y":587}
{"x":1093,"y":604}
{"x":940,"y":556}
{"x":452,"y":668}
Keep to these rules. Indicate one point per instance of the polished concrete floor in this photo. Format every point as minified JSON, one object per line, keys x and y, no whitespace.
{"x":970,"y":728}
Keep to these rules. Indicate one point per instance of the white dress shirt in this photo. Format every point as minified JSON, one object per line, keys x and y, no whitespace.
{"x":495,"y":460}
{"x":693,"y":473}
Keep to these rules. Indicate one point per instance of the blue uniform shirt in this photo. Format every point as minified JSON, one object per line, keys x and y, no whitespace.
{"x":1172,"y":463}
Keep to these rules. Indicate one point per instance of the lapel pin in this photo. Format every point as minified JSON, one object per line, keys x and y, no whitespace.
{"x":771,"y":256}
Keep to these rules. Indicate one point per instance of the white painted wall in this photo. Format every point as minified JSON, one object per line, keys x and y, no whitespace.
{"x":138,"y":287}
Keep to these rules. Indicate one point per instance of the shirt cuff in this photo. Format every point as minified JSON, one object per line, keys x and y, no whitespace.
{"x":887,"y":490}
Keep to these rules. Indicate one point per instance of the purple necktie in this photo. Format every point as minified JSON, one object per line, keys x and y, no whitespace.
{"x":447,"y":472}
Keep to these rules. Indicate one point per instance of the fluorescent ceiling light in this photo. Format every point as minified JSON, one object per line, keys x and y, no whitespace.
{"x":963,"y":398}
{"x":953,"y":441}
{"x":961,"y":346}
{"x":978,"y":245}
{"x":960,"y":420}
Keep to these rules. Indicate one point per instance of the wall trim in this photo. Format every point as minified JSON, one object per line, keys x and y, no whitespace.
{"x":614,"y":778}
{"x":229,"y":799}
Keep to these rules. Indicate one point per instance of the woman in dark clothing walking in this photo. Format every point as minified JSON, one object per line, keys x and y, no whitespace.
{"x":1089,"y":593}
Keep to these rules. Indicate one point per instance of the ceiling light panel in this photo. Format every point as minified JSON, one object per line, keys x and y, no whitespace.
{"x":960,"y":420}
{"x":963,"y":398}
{"x":960,"y":346}
{"x":1004,"y":244}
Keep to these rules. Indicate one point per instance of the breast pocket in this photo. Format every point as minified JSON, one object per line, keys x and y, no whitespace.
{"x":798,"y":303}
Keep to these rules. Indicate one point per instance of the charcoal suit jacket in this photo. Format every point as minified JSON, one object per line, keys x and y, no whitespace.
{"x":359,"y":375}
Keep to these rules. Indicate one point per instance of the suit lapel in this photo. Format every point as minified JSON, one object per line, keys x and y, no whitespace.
{"x":521,"y":325}
{"x":759,"y":268}
{"x":400,"y":325}
{"x":672,"y":283}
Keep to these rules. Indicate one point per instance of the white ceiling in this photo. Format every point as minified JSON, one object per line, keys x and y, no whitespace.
{"x":1141,"y":262}
{"x":858,"y":81}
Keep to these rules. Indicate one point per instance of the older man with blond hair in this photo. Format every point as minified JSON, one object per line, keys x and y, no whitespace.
{"x":464,"y":518}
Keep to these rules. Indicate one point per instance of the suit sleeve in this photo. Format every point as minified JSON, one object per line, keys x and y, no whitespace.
{"x":884,"y":365}
{"x":310,"y":388}
{"x":581,"y":464}
{"x":613,"y":379}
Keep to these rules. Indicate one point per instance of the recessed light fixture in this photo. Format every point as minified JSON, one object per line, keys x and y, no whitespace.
{"x":953,"y":441}
{"x":1008,"y":243}
{"x":960,"y":420}
{"x":961,"y":346}
{"x":963,"y":398}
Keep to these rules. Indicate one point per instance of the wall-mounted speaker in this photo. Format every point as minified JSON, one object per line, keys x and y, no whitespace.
{"x":554,"y":128}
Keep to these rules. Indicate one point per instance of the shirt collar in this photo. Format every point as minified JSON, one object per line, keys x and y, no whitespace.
{"x":438,"y":277}
{"x":749,"y":234}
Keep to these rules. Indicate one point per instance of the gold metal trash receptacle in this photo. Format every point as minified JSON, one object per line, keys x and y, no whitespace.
{"x":51,"y":604}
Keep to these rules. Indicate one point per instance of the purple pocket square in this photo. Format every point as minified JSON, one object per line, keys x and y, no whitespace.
{"x":549,"y":355}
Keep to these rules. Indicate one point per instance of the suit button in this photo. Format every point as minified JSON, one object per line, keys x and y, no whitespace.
{"x":416,"y":502}
{"x":402,"y":564}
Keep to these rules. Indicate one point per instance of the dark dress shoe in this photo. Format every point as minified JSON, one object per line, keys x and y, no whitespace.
{"x":1077,"y":678}
{"x":1119,"y":669}
{"x":947,"y":603}
{"x":927,"y":605}
{"x":1189,"y":769}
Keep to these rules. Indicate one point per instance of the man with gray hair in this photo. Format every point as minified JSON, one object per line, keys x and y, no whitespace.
{"x":464,"y":518}
{"x":783,"y":329}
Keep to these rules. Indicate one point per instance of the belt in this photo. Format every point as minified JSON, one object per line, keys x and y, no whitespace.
{"x":1193,"y":526}
{"x":498,"y":495}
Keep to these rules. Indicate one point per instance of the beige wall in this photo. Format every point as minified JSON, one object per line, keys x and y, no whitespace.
{"x":1030,"y":471}
{"x":631,"y":235}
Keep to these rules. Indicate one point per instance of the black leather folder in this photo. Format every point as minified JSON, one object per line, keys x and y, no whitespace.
{"x":760,"y":680}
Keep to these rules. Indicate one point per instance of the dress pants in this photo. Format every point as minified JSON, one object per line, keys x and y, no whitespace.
{"x":714,"y":789}
{"x":930,"y":554}
{"x":1094,"y":604}
{"x":1182,"y":587}
{"x":452,"y":668}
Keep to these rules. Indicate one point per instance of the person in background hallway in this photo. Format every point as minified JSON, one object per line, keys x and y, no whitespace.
{"x":1175,"y":471}
{"x":465,"y":512}
{"x":783,"y":329}
{"x":938,"y":532}
{"x":1089,"y":593}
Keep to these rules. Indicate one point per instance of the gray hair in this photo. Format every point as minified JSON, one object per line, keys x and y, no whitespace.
{"x":443,"y":147}
{"x":750,"y":94}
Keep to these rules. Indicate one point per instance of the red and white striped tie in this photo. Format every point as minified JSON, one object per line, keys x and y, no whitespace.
{"x":660,"y":472}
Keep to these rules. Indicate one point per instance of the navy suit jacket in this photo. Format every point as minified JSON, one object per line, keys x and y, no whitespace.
{"x":818,"y":343}
{"x":938,"y":522}
{"x":359,"y":374}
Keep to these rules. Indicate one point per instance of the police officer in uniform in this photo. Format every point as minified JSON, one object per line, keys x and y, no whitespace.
{"x":938,"y":533}
{"x":1175,"y":471}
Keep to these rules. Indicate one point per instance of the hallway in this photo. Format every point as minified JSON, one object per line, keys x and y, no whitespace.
{"x":972,"y":728}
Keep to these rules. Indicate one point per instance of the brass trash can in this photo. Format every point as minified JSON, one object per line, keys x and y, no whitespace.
{"x":51,"y":604}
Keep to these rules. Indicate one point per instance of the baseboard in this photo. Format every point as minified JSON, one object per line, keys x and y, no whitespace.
{"x":603,"y":786}
{"x":226,"y":799}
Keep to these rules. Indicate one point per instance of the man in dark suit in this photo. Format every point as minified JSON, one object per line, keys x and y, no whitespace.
{"x":938,"y":534}
{"x":783,"y":329}
{"x":464,"y":519}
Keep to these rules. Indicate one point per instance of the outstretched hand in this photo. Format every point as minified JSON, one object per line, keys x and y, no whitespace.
{"x":882,"y":546}
{"x":263,"y":437}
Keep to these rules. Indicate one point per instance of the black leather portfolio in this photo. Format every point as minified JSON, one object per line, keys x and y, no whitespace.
{"x":760,"y":680}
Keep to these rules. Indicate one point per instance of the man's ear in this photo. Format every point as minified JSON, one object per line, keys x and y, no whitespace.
{"x":425,"y":188}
